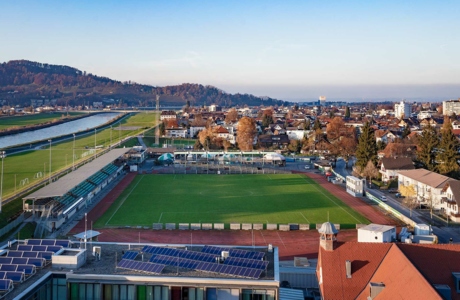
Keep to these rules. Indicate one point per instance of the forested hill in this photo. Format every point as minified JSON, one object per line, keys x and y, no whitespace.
{"x":22,"y":80}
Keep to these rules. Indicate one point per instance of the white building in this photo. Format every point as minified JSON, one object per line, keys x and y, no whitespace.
{"x":450,"y":200}
{"x":428,"y":185}
{"x":355,"y":186}
{"x":193,"y":130}
{"x":375,"y":233}
{"x":176,"y":132}
{"x":402,"y":110}
{"x":296,"y":134}
{"x":450,"y":107}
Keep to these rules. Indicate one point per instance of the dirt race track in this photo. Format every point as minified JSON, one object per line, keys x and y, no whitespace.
{"x":290,"y":243}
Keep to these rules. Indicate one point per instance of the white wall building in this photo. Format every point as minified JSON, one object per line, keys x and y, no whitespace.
{"x":296,"y":134}
{"x":428,"y":185}
{"x":450,"y":107}
{"x":176,"y":132}
{"x":375,"y":233}
{"x":355,"y":186}
{"x":402,"y":110}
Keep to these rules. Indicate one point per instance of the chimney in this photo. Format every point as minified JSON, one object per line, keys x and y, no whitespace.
{"x":376,"y":288}
{"x":348,"y":268}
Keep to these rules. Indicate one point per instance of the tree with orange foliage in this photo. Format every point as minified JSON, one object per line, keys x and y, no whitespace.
{"x":246,"y":133}
{"x":232,"y":116}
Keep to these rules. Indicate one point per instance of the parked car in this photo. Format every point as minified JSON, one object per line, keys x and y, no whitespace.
{"x":392,"y":190}
{"x":398,"y":195}
{"x":383,"y":198}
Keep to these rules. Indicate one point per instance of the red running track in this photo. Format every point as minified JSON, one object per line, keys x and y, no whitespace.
{"x":371,"y":213}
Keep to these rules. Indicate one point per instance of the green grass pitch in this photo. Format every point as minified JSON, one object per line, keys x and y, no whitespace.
{"x":226,"y":199}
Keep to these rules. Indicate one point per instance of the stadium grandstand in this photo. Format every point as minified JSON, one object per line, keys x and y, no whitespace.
{"x":54,"y":204}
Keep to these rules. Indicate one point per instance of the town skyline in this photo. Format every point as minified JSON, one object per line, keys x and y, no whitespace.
{"x":292,"y":51}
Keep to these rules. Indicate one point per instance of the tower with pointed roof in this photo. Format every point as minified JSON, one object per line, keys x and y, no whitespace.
{"x":328,"y":236}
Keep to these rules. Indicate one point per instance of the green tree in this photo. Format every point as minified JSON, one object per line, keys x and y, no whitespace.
{"x":406,"y":132}
{"x":381,"y":145}
{"x":427,"y":144}
{"x":162,"y":128}
{"x":367,"y":147}
{"x":267,"y":120}
{"x":447,"y":155}
{"x":347,"y":112}
{"x":316,"y":125}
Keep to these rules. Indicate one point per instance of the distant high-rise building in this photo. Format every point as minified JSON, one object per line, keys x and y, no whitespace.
{"x":449,"y":107}
{"x":322,"y":100}
{"x":402,"y":110}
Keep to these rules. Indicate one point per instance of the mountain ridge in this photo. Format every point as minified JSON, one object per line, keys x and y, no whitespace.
{"x":22,"y":81}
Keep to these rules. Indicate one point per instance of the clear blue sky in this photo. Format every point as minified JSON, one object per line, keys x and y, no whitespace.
{"x":284,"y":49}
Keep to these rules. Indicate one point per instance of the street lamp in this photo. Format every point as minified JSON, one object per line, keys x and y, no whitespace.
{"x":50,"y":161}
{"x":2,"y":155}
{"x":95,"y":137}
{"x":110,"y":136}
{"x":73,"y":153}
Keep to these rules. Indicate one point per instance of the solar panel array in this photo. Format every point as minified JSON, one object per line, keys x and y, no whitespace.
{"x":39,"y":248}
{"x":30,"y":254}
{"x":247,"y":263}
{"x":199,"y":256}
{"x":14,"y":276}
{"x":130,"y":255}
{"x":27,"y":269}
{"x":47,"y":242}
{"x":140,"y":266}
{"x":233,"y":252}
{"x":207,"y":266}
{"x":38,"y":262}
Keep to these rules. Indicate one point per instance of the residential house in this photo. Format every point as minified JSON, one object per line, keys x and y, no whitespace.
{"x":451,"y":200}
{"x":400,"y":150}
{"x":367,"y":271}
{"x":176,"y":132}
{"x":390,"y":166}
{"x":428,"y":185}
{"x":193,"y":130}
{"x":296,"y":134}
{"x":168,"y":115}
{"x":280,"y":140}
{"x":431,"y":122}
{"x":224,"y":134}
{"x":385,"y":136}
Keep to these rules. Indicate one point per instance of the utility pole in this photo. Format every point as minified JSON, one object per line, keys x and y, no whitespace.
{"x":157,"y":135}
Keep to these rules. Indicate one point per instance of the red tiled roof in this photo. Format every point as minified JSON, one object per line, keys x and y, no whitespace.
{"x":365,"y":259}
{"x":435,"y":262}
{"x":401,"y":279}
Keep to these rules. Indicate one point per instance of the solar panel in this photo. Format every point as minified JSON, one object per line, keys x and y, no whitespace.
{"x":6,"y":260}
{"x":48,"y":242}
{"x":6,"y":284}
{"x":207,"y":266}
{"x":233,"y":252}
{"x":140,"y":266}
{"x":247,"y":263}
{"x":130,"y":255}
{"x":38,"y":248}
{"x":180,"y":253}
{"x":8,"y":267}
{"x":25,"y":247}
{"x":38,"y":262}
{"x":27,"y":269}
{"x":54,"y":248}
{"x":14,"y":253}
{"x":2,"y":275}
{"x":15,"y":276}
{"x":34,"y":242}
{"x":63,"y":243}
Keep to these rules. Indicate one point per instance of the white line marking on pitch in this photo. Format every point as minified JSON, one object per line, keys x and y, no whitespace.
{"x":304,"y":216}
{"x":332,"y":200}
{"x":263,"y":236}
{"x":281,"y":239}
{"x":123,"y":201}
{"x":160,"y":217}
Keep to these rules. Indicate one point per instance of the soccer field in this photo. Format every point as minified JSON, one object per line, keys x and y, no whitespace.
{"x":226,"y":199}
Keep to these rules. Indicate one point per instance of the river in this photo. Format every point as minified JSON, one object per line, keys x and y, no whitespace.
{"x":55,"y":131}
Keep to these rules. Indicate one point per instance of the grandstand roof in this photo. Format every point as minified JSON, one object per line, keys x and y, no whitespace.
{"x":69,"y":181}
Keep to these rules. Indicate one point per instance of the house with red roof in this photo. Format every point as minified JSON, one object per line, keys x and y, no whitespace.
{"x":393,"y":271}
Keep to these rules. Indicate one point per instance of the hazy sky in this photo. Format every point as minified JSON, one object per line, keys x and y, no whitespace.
{"x":283,"y":49}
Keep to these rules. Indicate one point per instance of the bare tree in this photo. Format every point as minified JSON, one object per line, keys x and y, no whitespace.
{"x":410,"y":200}
{"x":232,"y":116}
{"x":370,"y":171}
